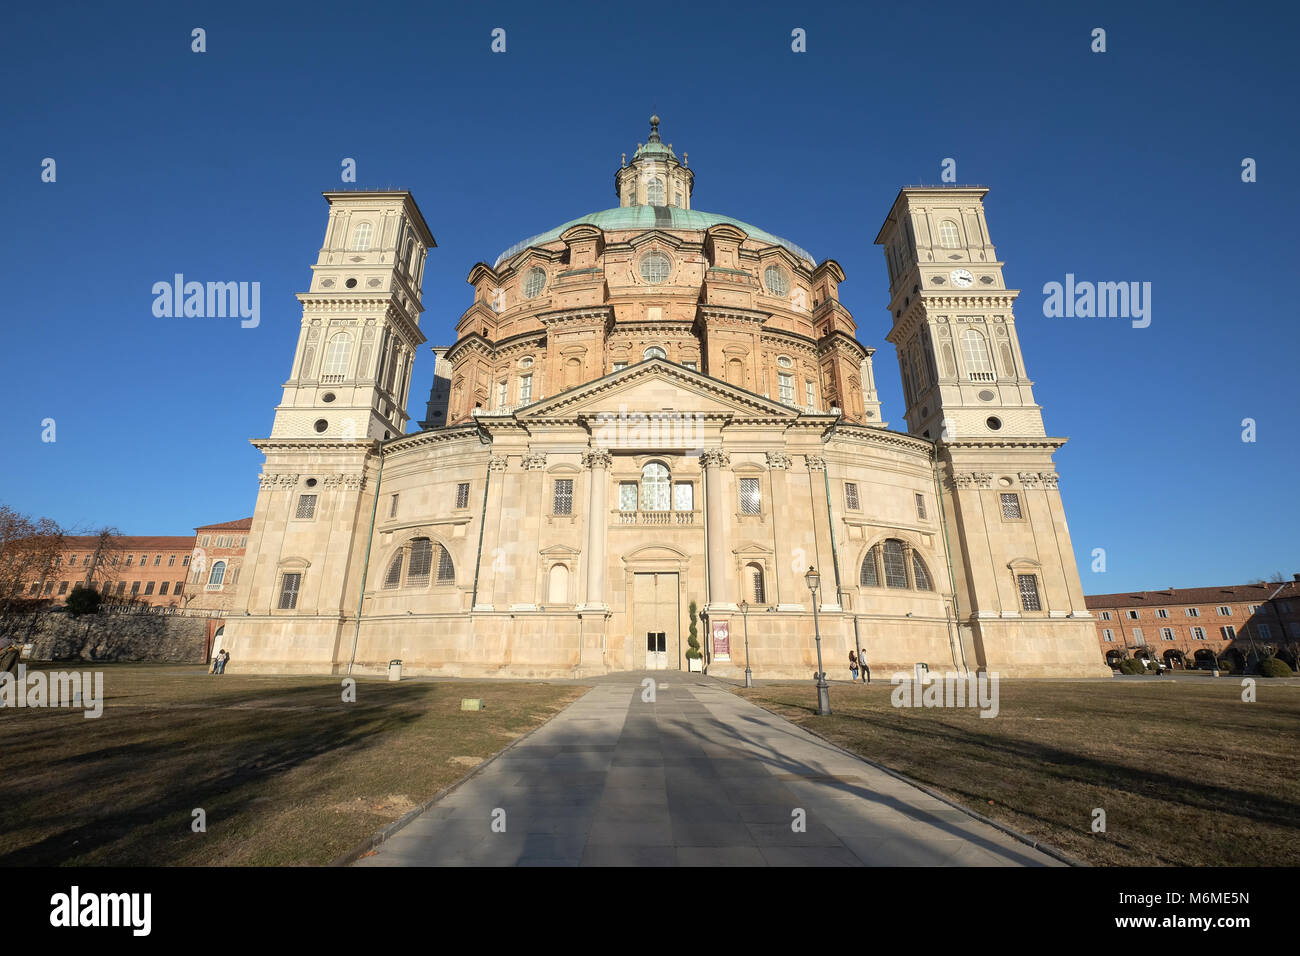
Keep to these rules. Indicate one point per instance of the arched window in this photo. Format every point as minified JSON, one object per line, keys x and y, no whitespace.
{"x":976,"y":356}
{"x":949,"y":237}
{"x":218,"y":574}
{"x":655,"y":485}
{"x":337,"y":353}
{"x":393,"y":578}
{"x":654,"y":192}
{"x":361,"y":237}
{"x":757,"y":589}
{"x":870,"y":577}
{"x":446,"y":570}
{"x":559,"y":589}
{"x":417,"y":575}
{"x":655,"y":351}
{"x":654,"y":267}
{"x":895,"y":568}
{"x":534,"y":282}
{"x":920,"y":575}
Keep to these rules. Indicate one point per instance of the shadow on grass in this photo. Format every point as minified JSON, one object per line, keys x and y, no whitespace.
{"x":141,"y":771}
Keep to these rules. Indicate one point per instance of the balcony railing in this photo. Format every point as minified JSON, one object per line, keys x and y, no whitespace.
{"x":657,"y":517}
{"x":982,"y":377}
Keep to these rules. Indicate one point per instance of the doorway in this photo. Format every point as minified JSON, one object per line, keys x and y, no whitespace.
{"x":655,"y":616}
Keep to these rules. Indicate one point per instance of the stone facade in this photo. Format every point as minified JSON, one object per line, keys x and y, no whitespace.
{"x":646,"y":408}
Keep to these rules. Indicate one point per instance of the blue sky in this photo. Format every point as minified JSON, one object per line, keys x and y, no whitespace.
{"x":1122,"y":166}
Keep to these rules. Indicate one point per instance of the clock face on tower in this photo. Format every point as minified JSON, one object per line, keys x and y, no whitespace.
{"x":961,"y":278}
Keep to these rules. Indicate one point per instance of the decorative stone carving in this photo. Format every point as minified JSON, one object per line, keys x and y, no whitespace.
{"x":277,"y":480}
{"x":973,"y":480}
{"x":534,"y":462}
{"x":1029,"y":480}
{"x":816,"y":463}
{"x":1050,"y":481}
{"x":715,"y":458}
{"x":347,"y":482}
{"x":497,"y":463}
{"x":778,"y":461}
{"x":597,"y":459}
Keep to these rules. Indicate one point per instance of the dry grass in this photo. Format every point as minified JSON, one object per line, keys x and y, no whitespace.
{"x":286,"y":772}
{"x":1187,"y":773}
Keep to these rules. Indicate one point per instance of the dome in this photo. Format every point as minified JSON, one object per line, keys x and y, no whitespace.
{"x":644,"y":218}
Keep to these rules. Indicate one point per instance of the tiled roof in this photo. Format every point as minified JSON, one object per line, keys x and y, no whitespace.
{"x":132,"y":543}
{"x":243,"y":524}
{"x":1227,"y":594}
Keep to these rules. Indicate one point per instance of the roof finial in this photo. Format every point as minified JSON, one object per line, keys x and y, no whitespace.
{"x":654,"y":128}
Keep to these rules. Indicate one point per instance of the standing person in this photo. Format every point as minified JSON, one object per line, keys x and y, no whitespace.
{"x":866,"y":671}
{"x":853,"y":666}
{"x":222,"y":658}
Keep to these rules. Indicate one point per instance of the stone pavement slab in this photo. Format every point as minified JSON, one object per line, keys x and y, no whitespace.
{"x":698,"y":777}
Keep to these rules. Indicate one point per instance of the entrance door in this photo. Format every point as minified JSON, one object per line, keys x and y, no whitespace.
{"x":656,"y":651}
{"x":655,"y":617}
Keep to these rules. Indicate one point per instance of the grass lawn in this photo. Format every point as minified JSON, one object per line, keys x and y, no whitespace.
{"x":286,"y":772}
{"x":1187,"y":773}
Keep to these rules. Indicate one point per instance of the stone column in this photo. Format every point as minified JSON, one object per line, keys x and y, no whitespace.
{"x":778,"y":464}
{"x":715,"y":524}
{"x":825,"y":561}
{"x":597,"y":462}
{"x":490,"y":560}
{"x":531,"y":526}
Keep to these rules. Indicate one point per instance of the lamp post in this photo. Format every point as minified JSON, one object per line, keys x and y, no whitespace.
{"x":814,"y":580}
{"x":744,"y":614}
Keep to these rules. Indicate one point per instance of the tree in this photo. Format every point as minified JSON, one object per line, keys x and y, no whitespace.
{"x":693,"y":636}
{"x":29,"y":554}
{"x":83,"y":600}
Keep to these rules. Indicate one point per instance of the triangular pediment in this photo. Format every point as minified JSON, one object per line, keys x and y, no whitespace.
{"x":658,"y":386}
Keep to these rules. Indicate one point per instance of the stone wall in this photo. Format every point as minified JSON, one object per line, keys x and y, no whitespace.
{"x":171,"y":638}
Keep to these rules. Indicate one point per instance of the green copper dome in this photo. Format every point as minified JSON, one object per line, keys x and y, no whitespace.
{"x":645,"y":218}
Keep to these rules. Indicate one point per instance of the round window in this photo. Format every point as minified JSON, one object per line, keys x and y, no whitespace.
{"x":321,"y":424}
{"x":526,"y":362}
{"x":351,"y":283}
{"x":534,"y":282}
{"x":776,"y":280}
{"x":654,"y":267}
{"x":311,"y":482}
{"x":994,"y":423}
{"x":987,"y":396}
{"x":327,"y":397}
{"x":785,"y":361}
{"x":655,"y":351}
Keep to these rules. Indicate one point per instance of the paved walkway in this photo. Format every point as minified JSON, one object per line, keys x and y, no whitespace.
{"x":699,"y":777}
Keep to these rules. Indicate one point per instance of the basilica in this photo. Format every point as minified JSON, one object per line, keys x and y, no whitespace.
{"x":653,"y":419}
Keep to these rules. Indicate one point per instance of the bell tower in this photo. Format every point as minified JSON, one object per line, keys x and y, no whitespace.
{"x":1018,"y":600}
{"x":360,"y":322}
{"x":963,"y":373}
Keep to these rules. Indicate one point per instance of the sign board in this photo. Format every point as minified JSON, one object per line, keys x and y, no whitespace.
{"x":722,"y":640}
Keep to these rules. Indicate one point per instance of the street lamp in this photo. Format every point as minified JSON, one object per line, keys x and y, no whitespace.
{"x":814,"y":580}
{"x":744,"y":614}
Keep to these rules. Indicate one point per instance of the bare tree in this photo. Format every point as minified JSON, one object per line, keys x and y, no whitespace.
{"x":30,"y":551}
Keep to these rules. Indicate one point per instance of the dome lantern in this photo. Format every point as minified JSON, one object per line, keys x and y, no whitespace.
{"x":654,"y":177}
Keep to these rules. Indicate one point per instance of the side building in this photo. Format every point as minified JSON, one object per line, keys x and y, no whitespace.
{"x":1189,"y":627}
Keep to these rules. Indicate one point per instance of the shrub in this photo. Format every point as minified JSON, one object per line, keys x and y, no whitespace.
{"x":1272,"y":667}
{"x":1131,"y":665}
{"x":1225,"y":665}
{"x":83,"y":601}
{"x":693,"y":637}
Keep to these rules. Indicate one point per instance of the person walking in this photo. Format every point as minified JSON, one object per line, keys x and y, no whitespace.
{"x":853,"y":666}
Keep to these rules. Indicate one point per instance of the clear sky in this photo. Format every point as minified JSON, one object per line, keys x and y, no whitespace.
{"x":1115,"y":166}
